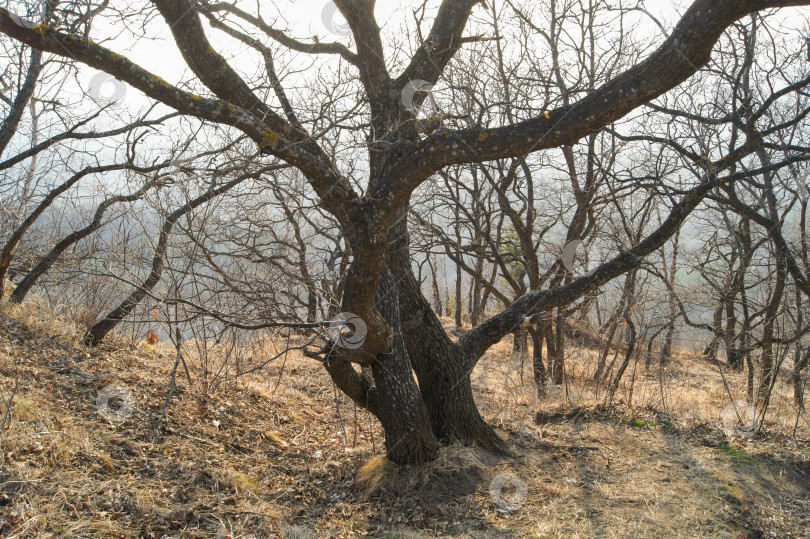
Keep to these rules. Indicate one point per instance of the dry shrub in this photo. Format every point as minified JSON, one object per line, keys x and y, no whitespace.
{"x":40,"y":319}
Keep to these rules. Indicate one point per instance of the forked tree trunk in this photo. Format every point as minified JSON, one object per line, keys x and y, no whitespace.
{"x":444,"y":378}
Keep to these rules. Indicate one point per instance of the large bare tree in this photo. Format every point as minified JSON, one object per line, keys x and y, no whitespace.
{"x":403,"y":336}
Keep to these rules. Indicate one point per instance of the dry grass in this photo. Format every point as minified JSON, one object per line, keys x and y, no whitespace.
{"x":689,"y":388}
{"x":282,"y":454}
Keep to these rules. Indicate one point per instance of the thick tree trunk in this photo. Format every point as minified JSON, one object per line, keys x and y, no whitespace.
{"x":409,"y":438}
{"x":444,"y":378}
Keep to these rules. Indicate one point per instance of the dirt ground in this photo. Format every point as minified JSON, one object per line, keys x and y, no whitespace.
{"x":281,"y":454}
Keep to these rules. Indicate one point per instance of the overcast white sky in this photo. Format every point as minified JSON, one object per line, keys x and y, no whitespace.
{"x":304,"y":20}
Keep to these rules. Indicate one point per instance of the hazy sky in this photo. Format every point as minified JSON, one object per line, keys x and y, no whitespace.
{"x":302,"y":19}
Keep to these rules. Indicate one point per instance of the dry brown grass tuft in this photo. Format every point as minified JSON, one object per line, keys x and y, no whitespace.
{"x":376,"y":473}
{"x":454,"y":464}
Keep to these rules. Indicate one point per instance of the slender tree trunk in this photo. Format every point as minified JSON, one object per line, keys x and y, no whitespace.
{"x":730,"y":337}
{"x":475,"y":304}
{"x":558,"y":363}
{"x":631,"y":342}
{"x":547,"y":327}
{"x":768,"y":366}
{"x":710,"y":352}
{"x":520,"y":343}
{"x":799,"y":362}
{"x":100,"y":329}
{"x":48,"y":260}
{"x":605,"y":350}
{"x":538,"y":367}
{"x":437,"y":300}
{"x":459,"y":298}
{"x":666,"y":349}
